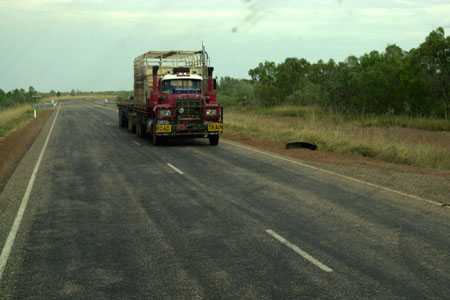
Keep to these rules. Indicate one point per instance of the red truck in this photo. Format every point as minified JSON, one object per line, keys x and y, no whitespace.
{"x":174,"y":96}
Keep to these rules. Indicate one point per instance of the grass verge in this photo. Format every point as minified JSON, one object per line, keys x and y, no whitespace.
{"x":312,"y":113}
{"x":335,"y":133}
{"x":14,"y":117}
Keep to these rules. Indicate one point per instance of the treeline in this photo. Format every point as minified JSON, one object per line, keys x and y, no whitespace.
{"x":17,"y":96}
{"x":415,"y":82}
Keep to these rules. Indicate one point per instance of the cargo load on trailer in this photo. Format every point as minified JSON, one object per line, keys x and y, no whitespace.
{"x":174,"y":96}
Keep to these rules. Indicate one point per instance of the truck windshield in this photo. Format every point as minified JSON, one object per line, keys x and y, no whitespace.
{"x":181,"y":85}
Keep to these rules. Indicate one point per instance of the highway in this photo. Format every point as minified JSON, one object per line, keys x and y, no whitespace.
{"x":109,"y":216}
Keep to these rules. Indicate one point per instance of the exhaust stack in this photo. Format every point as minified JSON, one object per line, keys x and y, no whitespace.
{"x":210,"y":80}
{"x":155,"y":77}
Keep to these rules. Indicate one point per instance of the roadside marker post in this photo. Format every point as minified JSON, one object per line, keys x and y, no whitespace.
{"x":42,"y":106}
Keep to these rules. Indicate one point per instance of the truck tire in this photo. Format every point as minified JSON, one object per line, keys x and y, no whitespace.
{"x":213,"y":140}
{"x":156,"y":140}
{"x":131,"y":126}
{"x":140,"y":130}
{"x":122,"y":120}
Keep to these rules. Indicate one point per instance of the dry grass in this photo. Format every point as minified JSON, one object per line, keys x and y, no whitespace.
{"x":310,"y":112}
{"x":335,"y":134}
{"x":14,"y":117}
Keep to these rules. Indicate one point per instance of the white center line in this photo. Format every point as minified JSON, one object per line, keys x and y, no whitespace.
{"x":23,"y":205}
{"x":299,"y":251}
{"x":136,"y":143}
{"x":175,"y":169}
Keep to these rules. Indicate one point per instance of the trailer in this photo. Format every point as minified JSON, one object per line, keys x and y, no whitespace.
{"x":175,"y":95}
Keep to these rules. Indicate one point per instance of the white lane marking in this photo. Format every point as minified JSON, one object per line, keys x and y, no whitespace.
{"x":299,"y":251}
{"x":336,"y":174}
{"x":136,"y":143}
{"x":175,"y":169}
{"x":23,"y":205}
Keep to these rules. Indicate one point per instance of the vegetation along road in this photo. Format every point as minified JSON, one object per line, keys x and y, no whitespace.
{"x":90,"y":213}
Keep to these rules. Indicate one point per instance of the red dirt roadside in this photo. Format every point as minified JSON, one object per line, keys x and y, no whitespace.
{"x":14,"y":146}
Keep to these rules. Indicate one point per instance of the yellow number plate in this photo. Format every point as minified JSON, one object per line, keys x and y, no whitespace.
{"x":215,"y":127}
{"x":163,"y":128}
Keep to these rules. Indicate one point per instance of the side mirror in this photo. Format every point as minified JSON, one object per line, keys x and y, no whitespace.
{"x":215,"y":84}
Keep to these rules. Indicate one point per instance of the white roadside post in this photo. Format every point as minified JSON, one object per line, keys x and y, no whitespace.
{"x":34,"y":111}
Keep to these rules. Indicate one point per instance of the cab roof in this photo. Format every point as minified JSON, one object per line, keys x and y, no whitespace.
{"x":179,"y":76}
{"x":172,"y":54}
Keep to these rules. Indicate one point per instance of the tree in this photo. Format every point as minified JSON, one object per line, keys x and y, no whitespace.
{"x":352,"y":61}
{"x":264,"y":76}
{"x":394,"y":53}
{"x":236,"y":91}
{"x":308,"y":93}
{"x":291,"y":74}
{"x":32,"y":92}
{"x":264,"y":72}
{"x":2,"y":97}
{"x":434,"y":56}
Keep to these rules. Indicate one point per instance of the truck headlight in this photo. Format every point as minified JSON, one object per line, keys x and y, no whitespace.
{"x":211,"y":112}
{"x":165,"y":113}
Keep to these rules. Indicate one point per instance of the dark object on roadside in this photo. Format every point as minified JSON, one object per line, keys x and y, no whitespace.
{"x":304,"y":145}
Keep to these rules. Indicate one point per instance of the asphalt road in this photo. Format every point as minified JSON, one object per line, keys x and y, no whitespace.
{"x":112,"y":217}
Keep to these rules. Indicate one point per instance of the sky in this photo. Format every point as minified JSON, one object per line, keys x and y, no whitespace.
{"x":90,"y":44}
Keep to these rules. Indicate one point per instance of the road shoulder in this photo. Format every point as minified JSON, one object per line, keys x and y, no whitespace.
{"x":20,"y":167}
{"x":426,"y":183}
{"x":15,"y":145}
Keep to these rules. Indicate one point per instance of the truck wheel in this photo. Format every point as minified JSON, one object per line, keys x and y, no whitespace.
{"x":213,"y":140}
{"x":156,"y":140}
{"x":140,"y":130}
{"x":122,"y":120}
{"x":131,"y":126}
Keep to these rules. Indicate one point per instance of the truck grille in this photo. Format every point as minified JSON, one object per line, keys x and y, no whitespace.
{"x":192,"y":109}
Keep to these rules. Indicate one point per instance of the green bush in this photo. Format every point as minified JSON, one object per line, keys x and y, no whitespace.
{"x":236,"y":92}
{"x":17,"y":96}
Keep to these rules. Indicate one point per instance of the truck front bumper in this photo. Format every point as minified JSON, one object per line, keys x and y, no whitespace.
{"x":199,"y":129}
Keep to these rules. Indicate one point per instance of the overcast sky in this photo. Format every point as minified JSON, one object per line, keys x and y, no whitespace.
{"x":90,"y":44}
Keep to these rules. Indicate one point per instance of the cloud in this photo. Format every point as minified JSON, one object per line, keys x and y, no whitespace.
{"x":101,"y":37}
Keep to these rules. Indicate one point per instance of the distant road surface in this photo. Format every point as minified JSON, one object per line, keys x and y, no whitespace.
{"x":109,"y":216}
